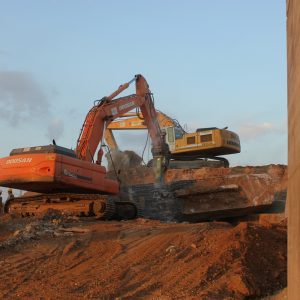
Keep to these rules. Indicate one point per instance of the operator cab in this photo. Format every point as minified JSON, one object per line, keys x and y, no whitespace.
{"x":173,"y":133}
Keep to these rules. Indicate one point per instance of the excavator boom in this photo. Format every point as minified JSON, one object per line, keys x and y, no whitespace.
{"x":107,"y":109}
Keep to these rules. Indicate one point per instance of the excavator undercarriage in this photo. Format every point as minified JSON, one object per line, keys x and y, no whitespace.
{"x":81,"y":205}
{"x":195,"y":162}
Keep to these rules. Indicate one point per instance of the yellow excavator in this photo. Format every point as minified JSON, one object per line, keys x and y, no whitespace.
{"x":201,"y":148}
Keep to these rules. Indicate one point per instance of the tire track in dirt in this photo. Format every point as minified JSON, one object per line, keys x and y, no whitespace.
{"x":20,"y":268}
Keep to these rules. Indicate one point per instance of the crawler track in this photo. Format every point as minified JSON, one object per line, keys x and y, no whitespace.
{"x":85,"y":205}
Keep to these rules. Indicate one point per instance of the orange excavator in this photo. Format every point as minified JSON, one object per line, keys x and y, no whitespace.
{"x":71,"y":181}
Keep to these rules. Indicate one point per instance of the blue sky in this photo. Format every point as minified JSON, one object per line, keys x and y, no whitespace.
{"x":208,"y":63}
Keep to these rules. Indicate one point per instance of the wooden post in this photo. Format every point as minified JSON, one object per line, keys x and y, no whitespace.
{"x":293,"y":55}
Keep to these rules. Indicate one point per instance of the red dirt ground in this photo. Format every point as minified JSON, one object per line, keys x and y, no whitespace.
{"x":140,"y":259}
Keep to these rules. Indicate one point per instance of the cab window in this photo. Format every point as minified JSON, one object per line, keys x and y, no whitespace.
{"x":178,"y":133}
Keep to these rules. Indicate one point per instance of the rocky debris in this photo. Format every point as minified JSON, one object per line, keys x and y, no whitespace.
{"x":40,"y":229}
{"x":143,"y":175}
{"x":32,"y":231}
{"x":208,"y":193}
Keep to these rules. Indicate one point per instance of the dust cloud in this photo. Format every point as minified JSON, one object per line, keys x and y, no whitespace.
{"x":21,"y":98}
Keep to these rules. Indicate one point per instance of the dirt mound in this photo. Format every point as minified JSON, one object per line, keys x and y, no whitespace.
{"x":145,"y":259}
{"x":122,"y":160}
{"x":208,"y":193}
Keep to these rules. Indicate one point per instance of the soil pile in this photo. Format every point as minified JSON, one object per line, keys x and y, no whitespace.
{"x":142,"y":259}
{"x":119,"y":161}
{"x":195,"y":195}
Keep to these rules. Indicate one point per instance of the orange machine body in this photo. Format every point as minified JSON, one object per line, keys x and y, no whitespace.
{"x":53,"y":172}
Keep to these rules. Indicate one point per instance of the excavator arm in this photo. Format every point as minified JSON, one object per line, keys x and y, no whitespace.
{"x":133,"y":121}
{"x":108,"y":109}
